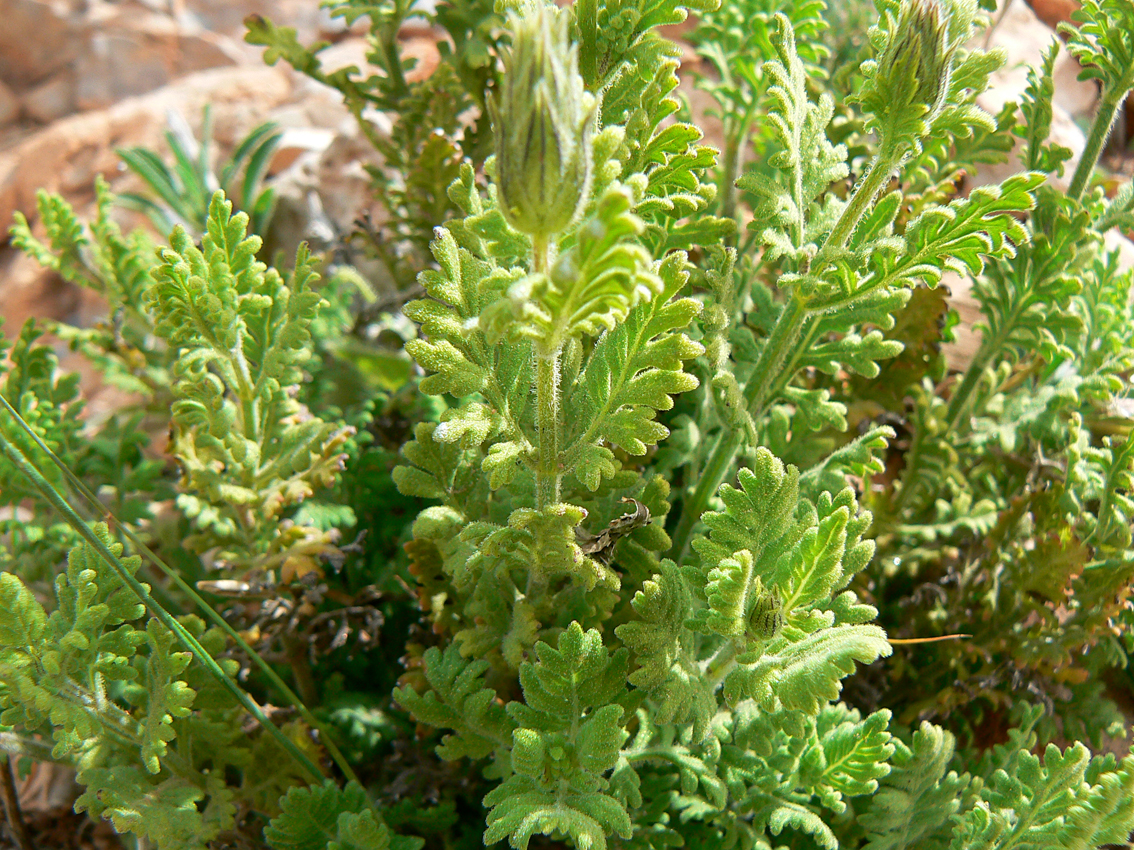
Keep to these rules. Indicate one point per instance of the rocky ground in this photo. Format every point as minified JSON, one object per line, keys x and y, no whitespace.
{"x":80,"y":78}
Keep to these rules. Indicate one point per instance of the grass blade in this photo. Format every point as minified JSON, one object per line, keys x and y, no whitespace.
{"x":57,"y":501}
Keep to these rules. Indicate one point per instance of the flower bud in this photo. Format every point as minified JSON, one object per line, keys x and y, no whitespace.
{"x":542,"y":117}
{"x":917,"y":61}
{"x":767,"y":616}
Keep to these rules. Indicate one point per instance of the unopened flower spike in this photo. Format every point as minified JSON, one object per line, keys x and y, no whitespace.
{"x":543,"y":119}
{"x":916,"y":62}
{"x":908,"y":83}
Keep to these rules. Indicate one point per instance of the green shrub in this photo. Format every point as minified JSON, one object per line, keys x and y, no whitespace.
{"x":679,"y":452}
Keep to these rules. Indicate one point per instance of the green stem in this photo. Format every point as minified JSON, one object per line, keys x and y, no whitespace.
{"x":958,"y":406}
{"x":548,"y":473}
{"x":1100,"y":130}
{"x":769,"y":377}
{"x":959,"y":401}
{"x":548,"y":476}
{"x":389,"y":41}
{"x":879,"y":174}
{"x":728,"y":442}
{"x":721,"y":663}
{"x":774,"y":354}
{"x":246,"y":388}
{"x":990,"y":347}
{"x":808,"y":332}
{"x":725,"y":449}
{"x":1105,"y":511}
{"x":730,"y":171}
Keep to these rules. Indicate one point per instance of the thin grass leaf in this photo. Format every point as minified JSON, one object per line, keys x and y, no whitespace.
{"x":250,"y":143}
{"x":141,"y":547}
{"x":257,"y":168}
{"x":261,"y":212}
{"x":148,"y":165}
{"x":205,"y":153}
{"x":194,"y":193}
{"x":51,"y":495}
{"x":159,"y":215}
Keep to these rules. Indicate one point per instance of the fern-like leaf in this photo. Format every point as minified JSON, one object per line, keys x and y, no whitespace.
{"x":458,"y":700}
{"x":570,"y":733}
{"x":332,"y":818}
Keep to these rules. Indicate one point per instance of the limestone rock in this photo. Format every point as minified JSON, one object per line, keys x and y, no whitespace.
{"x":66,"y":56}
{"x":37,"y":39}
{"x":66,"y":156}
{"x":1054,"y":12}
{"x":50,"y":100}
{"x":9,"y":105}
{"x":129,"y":56}
{"x":309,"y":19}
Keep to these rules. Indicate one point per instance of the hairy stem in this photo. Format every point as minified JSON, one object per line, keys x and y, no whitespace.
{"x":767,"y":369}
{"x":1112,"y":97}
{"x":548,"y":474}
{"x":990,"y":347}
{"x":389,"y":39}
{"x":878,"y":175}
{"x":775,"y":366}
{"x":730,"y":171}
{"x":725,"y":449}
{"x":808,"y":331}
{"x":547,"y":400}
{"x":722,"y":662}
{"x":773,"y":356}
{"x":959,"y":401}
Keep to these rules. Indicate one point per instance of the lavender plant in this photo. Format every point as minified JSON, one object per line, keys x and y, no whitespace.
{"x":722,"y":670}
{"x":657,"y":533}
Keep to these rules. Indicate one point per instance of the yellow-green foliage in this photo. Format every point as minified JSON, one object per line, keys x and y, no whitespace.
{"x":682,"y":456}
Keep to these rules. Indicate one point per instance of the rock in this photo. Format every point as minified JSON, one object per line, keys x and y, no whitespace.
{"x":9,"y":105}
{"x":27,"y":290}
{"x":98,"y":53}
{"x":321,"y":193}
{"x":51,"y":100}
{"x":308,"y":19}
{"x":1007,"y":86}
{"x":422,"y":50}
{"x":38,"y":38}
{"x":1054,"y":12}
{"x":298,"y":142}
{"x":126,"y":60}
{"x":66,"y":156}
{"x":349,"y":51}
